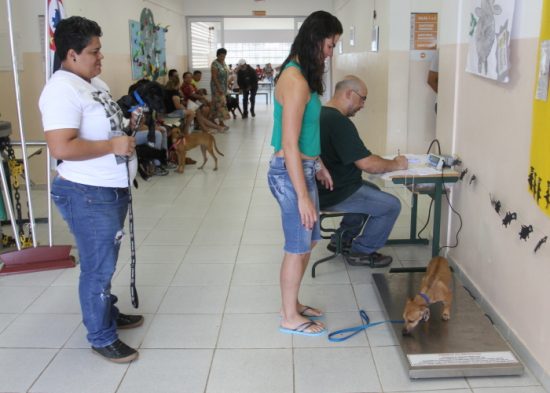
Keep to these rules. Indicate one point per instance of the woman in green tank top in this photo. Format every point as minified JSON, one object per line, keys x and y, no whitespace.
{"x":295,"y":164}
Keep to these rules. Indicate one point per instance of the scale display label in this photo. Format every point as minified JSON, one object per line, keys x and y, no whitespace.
{"x":461,"y":359}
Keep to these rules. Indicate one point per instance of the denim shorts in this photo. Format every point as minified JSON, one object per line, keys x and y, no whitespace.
{"x":298,"y":239}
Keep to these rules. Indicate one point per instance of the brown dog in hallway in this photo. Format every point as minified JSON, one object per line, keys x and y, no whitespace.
{"x":435,"y":287}
{"x":182,"y":144}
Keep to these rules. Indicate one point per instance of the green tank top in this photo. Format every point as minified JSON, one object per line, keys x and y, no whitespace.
{"x":309,"y":141}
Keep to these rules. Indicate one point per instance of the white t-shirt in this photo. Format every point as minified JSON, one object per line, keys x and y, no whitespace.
{"x":69,"y":101}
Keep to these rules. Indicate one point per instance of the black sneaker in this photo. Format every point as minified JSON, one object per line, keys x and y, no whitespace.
{"x":125,"y":321}
{"x":374,"y":259}
{"x":252,"y":113}
{"x":346,"y":246}
{"x":117,"y":352}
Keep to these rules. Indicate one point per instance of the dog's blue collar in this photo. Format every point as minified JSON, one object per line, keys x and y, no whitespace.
{"x":425,"y":297}
{"x":139,"y":100}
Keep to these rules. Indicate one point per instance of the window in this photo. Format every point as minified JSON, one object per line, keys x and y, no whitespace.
{"x":257,"y":52}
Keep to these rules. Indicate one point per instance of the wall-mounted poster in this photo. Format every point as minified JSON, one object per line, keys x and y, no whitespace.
{"x":148,"y":47}
{"x":539,"y":170}
{"x":423,"y":35}
{"x":490,"y":27}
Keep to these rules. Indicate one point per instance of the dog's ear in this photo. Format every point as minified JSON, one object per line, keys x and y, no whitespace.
{"x":426,"y":314}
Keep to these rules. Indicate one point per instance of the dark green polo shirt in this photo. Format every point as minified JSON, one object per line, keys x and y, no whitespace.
{"x":341,"y":146}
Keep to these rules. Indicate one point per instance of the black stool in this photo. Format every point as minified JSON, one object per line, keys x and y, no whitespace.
{"x":326,"y":233}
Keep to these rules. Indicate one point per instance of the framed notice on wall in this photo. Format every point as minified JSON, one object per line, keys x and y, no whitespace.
{"x":423,"y":35}
{"x":423,"y":31}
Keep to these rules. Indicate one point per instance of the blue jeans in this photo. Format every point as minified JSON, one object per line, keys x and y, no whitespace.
{"x":298,"y":239}
{"x":95,"y":216}
{"x":383,"y":209}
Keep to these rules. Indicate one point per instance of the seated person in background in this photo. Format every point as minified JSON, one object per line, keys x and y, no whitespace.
{"x":190,"y":93}
{"x":346,"y":157}
{"x":197,"y":76}
{"x":269,"y":72}
{"x":173,"y":103}
{"x":259,"y":72}
{"x":248,"y":83}
{"x":190,"y":90}
{"x":172,"y":72}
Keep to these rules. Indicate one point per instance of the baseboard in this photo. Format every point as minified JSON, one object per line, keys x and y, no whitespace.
{"x":509,"y":335}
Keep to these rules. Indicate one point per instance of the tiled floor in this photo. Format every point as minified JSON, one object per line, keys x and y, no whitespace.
{"x":209,"y":250}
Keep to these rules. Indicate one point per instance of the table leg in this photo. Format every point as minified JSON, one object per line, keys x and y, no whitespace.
{"x":437,"y":218}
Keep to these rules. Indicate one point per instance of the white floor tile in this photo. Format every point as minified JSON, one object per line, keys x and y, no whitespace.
{"x":260,"y":253}
{"x":316,"y":370}
{"x":203,"y":274}
{"x":39,"y":331}
{"x":256,"y":274}
{"x":40,"y":279}
{"x":253,"y":299}
{"x":252,"y":331}
{"x":168,"y":371}
{"x":57,"y":300}
{"x":211,"y":254}
{"x":194,"y":300}
{"x":17,"y":299}
{"x":183,"y":331}
{"x":169,"y":254}
{"x":251,"y":371}
{"x":79,"y":370}
{"x":20,"y":367}
{"x":147,"y":274}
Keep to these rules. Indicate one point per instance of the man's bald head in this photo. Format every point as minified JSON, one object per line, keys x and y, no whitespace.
{"x":350,"y":95}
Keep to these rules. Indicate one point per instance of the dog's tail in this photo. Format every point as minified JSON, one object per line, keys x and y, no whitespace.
{"x":216,"y":147}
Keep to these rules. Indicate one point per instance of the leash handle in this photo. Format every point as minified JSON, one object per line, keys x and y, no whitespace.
{"x":345,"y":334}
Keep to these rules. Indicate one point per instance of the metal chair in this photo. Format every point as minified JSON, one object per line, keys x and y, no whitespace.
{"x":338,"y":233}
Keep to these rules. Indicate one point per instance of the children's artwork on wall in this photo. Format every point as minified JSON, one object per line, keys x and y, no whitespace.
{"x":538,"y":178}
{"x":147,"y":47}
{"x":490,"y":27}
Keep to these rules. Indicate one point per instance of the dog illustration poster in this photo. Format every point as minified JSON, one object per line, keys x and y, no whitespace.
{"x":147,"y":47}
{"x":489,"y":50}
{"x":539,"y":170}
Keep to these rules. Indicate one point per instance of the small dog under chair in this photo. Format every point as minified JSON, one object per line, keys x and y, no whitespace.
{"x":435,"y":287}
{"x":181,"y":144}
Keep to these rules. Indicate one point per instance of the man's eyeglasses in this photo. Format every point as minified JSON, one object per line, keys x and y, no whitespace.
{"x":363,"y":98}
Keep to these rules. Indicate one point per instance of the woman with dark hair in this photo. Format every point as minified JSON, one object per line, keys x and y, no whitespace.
{"x":84,"y":127}
{"x":218,"y":86}
{"x":295,"y":164}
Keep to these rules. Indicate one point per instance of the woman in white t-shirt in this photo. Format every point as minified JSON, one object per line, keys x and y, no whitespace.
{"x":84,"y":127}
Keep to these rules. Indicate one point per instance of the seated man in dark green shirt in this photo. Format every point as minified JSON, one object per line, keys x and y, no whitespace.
{"x":346,"y":157}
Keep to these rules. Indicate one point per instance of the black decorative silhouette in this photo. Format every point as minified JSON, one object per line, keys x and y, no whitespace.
{"x":540,"y":243}
{"x":531,"y":179}
{"x":463,"y":173}
{"x":525,"y":231}
{"x":472,"y":179}
{"x":508,"y":218}
{"x":547,"y":195}
{"x":496,"y":204}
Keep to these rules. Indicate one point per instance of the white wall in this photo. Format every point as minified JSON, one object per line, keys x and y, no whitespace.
{"x":489,"y":125}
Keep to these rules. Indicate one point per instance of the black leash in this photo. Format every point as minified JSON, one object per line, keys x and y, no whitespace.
{"x":133,"y":290}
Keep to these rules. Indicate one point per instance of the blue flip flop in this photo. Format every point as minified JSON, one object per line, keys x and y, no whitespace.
{"x":303,"y":313}
{"x":300,"y":330}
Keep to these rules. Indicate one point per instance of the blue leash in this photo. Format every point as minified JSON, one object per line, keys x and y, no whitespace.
{"x":352,"y":331}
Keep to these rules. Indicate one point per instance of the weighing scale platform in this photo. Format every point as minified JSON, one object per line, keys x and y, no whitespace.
{"x":467,"y":345}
